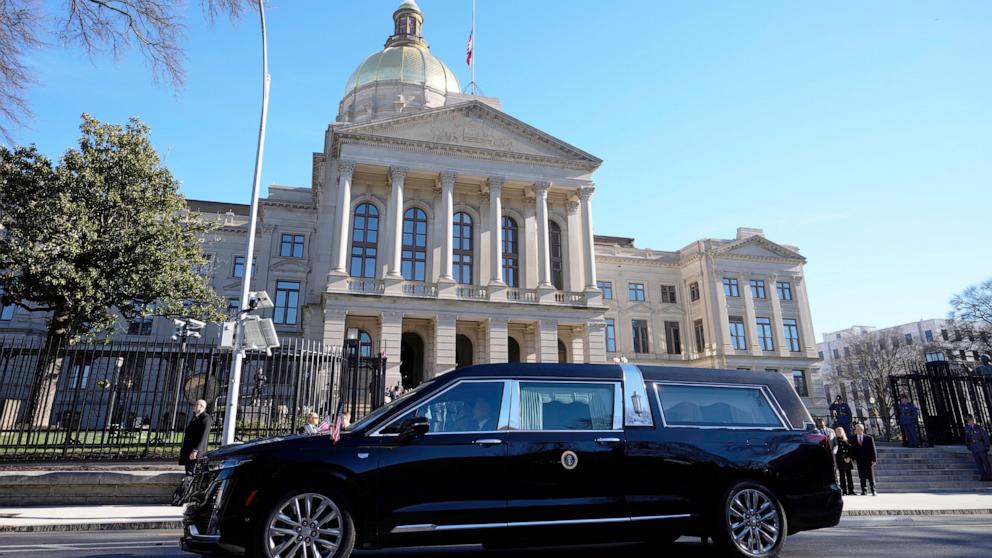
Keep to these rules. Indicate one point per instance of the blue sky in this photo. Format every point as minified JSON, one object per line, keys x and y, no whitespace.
{"x":858,"y":131}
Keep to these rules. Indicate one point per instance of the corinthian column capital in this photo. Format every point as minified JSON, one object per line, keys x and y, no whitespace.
{"x":397,"y":174}
{"x":346,"y":168}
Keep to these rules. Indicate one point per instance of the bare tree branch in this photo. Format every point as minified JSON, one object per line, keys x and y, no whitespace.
{"x":19,"y":27}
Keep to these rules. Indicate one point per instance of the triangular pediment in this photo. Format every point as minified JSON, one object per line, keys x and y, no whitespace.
{"x":472,"y":126}
{"x":760,"y":247}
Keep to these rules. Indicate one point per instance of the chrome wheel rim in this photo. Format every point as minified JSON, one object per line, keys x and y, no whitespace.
{"x":304,"y":526}
{"x":754,"y":521}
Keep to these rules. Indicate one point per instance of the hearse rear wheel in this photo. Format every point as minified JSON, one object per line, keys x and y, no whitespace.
{"x":751,"y":522}
{"x":307,"y":522}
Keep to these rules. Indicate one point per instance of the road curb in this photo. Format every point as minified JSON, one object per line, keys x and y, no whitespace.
{"x":895,"y":513}
{"x":104,"y":526}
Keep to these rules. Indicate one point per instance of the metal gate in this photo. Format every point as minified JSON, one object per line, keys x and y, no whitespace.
{"x":944,"y":393}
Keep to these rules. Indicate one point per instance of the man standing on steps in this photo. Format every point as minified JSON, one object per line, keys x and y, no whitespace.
{"x":908,"y":414}
{"x":977,"y":440}
{"x":842,"y":414}
{"x":195,"y":437}
{"x":863,"y":448}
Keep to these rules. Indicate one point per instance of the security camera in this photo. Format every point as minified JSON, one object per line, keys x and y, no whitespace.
{"x":194,"y":334}
{"x":259,"y":300}
{"x":195,"y":324}
{"x":177,"y":322}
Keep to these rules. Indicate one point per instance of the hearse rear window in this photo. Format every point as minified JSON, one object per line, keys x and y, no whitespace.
{"x":566,"y":406}
{"x":716,"y":406}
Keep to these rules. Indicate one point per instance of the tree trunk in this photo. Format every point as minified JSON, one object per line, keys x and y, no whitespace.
{"x":47,"y":372}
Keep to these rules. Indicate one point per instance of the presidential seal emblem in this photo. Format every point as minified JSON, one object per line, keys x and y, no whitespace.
{"x":569,"y":460}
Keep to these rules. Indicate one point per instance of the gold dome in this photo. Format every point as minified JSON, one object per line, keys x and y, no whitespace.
{"x":404,"y":63}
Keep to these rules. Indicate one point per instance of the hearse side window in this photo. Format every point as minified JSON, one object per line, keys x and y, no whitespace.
{"x":467,"y":407}
{"x":716,"y":406}
{"x":566,"y":406}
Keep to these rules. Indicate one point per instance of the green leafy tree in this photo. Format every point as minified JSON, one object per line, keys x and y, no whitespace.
{"x":98,"y":236}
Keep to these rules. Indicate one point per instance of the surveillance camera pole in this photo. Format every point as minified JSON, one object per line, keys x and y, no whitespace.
{"x":234,"y":382}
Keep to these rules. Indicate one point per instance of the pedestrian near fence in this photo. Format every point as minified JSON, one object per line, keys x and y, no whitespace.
{"x":842,"y":413}
{"x":195,"y":437}
{"x":977,"y":440}
{"x":908,"y":415}
{"x":844,"y":456}
{"x":865,"y":457}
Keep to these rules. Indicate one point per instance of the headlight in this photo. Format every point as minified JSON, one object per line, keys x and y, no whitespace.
{"x":229,"y":463}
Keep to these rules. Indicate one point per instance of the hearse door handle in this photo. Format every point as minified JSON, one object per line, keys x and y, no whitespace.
{"x":488,"y":442}
{"x":607,"y":441}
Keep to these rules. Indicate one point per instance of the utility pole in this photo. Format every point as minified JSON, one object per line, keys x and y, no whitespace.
{"x":234,"y":382}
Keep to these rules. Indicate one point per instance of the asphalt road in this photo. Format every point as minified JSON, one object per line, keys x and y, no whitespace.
{"x":939,"y":537}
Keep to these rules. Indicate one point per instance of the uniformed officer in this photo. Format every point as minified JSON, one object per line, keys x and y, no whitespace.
{"x":908,"y":414}
{"x":977,"y":440}
{"x":842,"y":414}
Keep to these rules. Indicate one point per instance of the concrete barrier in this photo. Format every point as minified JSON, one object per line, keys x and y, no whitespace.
{"x":68,"y":487}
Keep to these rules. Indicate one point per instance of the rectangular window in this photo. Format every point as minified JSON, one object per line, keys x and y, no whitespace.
{"x":738,"y":339}
{"x":697,"y":328}
{"x":799,"y":382}
{"x":784,"y":289}
{"x":291,"y":246}
{"x":6,"y":312}
{"x":943,"y":334}
{"x":791,"y":334}
{"x":79,"y":376}
{"x":929,"y":336}
{"x":694,"y":291}
{"x":142,"y":324}
{"x":758,"y":288}
{"x":836,"y":353}
{"x":909,"y":338}
{"x":635,"y":291}
{"x":731,"y":287}
{"x":287,"y":302}
{"x":239,"y":267}
{"x":611,"y":335}
{"x":640,"y":336}
{"x":571,"y":406}
{"x":847,"y":352}
{"x":821,"y":354}
{"x":668,"y":294}
{"x":673,"y":338}
{"x":765,"y":334}
{"x":740,"y":407}
{"x":607,"y":288}
{"x":935,"y":356}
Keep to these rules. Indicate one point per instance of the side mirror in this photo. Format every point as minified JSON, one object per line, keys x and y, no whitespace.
{"x":413,"y":427}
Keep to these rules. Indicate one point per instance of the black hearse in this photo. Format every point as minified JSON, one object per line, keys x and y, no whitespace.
{"x":532,"y":454}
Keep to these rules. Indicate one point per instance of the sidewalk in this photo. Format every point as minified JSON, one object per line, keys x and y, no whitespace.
{"x":101,"y":518}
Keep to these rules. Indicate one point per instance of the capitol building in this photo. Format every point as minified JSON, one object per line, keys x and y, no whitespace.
{"x":449,"y":233}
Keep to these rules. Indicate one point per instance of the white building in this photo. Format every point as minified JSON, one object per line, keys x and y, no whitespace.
{"x":450,"y":233}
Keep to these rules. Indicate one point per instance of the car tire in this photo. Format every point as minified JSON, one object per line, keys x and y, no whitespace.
{"x":321,"y":517}
{"x":750,"y":522}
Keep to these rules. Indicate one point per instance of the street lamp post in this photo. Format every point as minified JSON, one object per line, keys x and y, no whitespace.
{"x":234,"y":382}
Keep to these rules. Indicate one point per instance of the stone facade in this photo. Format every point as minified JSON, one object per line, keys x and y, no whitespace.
{"x":448,"y":233}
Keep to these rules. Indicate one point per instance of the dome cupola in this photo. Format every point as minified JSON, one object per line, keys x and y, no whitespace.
{"x":403,"y":76}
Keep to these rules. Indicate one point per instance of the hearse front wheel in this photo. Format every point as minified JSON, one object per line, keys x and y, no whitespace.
{"x":751,"y":522}
{"x":307,"y":522}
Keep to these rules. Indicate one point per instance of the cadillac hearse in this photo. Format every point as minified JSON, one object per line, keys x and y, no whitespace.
{"x":516,"y":455}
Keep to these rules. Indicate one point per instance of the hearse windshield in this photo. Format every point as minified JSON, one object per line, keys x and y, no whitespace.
{"x":382,"y":411}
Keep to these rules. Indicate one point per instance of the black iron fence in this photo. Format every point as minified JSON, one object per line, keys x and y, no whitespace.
{"x":944,"y":393}
{"x":132,"y":400}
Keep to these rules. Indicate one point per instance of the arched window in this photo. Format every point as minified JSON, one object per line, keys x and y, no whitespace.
{"x":557,"y":277}
{"x":364,"y":343}
{"x":365,"y":241}
{"x":562,"y":352}
{"x":462,"y":249}
{"x":414,"y":244}
{"x":511,"y":252}
{"x":463,"y":351}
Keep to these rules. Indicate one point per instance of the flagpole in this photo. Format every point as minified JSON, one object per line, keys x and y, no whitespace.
{"x":473,"y":43}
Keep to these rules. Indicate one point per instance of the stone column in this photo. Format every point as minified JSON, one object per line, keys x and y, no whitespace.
{"x":447,"y":194}
{"x":334,"y":330}
{"x":444,"y":343}
{"x":496,"y":232}
{"x":543,"y":246}
{"x":807,"y":339}
{"x":397,"y":178}
{"x":589,"y":243}
{"x":750,"y":318}
{"x":345,"y":171}
{"x":595,"y":342}
{"x":547,"y":341}
{"x":777,"y":327}
{"x":498,"y":343}
{"x":390,"y":340}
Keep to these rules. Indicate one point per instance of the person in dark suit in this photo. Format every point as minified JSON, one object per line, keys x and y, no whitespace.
{"x":977,"y":440}
{"x":195,"y":436}
{"x":842,"y":414}
{"x":908,"y":414}
{"x":863,"y":448}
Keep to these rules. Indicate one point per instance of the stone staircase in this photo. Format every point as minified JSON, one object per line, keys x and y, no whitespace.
{"x":938,"y":469}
